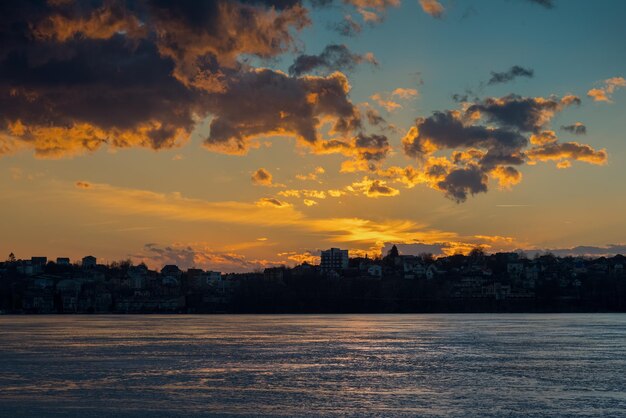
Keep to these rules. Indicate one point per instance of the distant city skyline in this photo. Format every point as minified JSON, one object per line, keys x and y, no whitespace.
{"x":239,"y":135}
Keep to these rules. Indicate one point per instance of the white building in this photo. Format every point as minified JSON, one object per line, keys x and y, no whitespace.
{"x":334,"y":259}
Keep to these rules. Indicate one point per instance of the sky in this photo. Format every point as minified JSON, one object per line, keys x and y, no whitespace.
{"x":237,"y":135}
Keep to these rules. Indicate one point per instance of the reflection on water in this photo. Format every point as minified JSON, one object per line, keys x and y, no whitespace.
{"x":318,"y":365}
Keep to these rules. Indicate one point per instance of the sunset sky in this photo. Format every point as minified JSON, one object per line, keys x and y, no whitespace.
{"x":235,"y":135}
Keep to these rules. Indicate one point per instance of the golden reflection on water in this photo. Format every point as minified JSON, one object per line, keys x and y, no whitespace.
{"x":313,"y":364}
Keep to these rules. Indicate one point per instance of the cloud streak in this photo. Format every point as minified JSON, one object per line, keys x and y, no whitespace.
{"x":511,"y":74}
{"x":333,"y":58}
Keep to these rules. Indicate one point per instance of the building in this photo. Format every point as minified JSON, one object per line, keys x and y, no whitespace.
{"x":63,"y":261}
{"x":171,"y":270}
{"x":334,"y":260}
{"x":39,"y":261}
{"x":89,"y":261}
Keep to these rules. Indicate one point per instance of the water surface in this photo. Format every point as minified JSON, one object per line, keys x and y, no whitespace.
{"x":313,"y":365}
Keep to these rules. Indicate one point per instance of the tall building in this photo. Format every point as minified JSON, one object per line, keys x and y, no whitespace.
{"x":334,"y":259}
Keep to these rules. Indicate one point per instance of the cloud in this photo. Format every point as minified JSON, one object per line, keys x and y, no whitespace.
{"x":388,"y":101}
{"x":543,"y":137}
{"x":548,"y":4}
{"x":373,"y":188}
{"x":199,"y":255}
{"x":527,"y":114}
{"x":83,"y":184}
{"x":585,"y":251}
{"x":313,"y":175}
{"x":352,"y":231}
{"x":311,"y":257}
{"x":264,"y":102}
{"x":271,"y":202}
{"x":506,"y":176}
{"x":374,"y":117}
{"x":176,"y":207}
{"x":387,"y":104}
{"x":347,"y":27}
{"x":447,"y":130}
{"x":567,"y":151}
{"x":481,"y":152}
{"x":405,"y":93}
{"x":309,"y":202}
{"x":333,"y":58}
{"x":367,"y":187}
{"x":78,"y":76}
{"x":367,"y":152}
{"x":262,"y":177}
{"x":316,"y":194}
{"x":603,"y":93}
{"x":267,"y":212}
{"x":577,"y":128}
{"x":432,"y":7}
{"x":459,"y":183}
{"x":372,"y":11}
{"x":510,"y":75}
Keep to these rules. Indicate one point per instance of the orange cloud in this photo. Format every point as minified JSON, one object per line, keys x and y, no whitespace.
{"x":506,"y":176}
{"x":267,"y":212}
{"x":262,"y":177}
{"x":603,"y":94}
{"x":312,"y":175}
{"x":373,"y":188}
{"x":405,"y":93}
{"x":372,"y":10}
{"x":388,"y":105}
{"x":432,"y":7}
{"x":567,"y":151}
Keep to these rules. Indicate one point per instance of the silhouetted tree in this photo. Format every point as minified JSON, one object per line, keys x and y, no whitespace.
{"x":11,"y":258}
{"x":393,"y":253}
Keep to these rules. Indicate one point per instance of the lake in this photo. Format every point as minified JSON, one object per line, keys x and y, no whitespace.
{"x":313,"y":365}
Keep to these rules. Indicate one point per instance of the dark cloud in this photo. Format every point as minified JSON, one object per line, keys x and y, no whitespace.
{"x":374,"y":117}
{"x":445,"y":130}
{"x":266,"y":102}
{"x":271,"y":201}
{"x":333,"y":58}
{"x":510,"y":75}
{"x":75,"y":76}
{"x":576,"y":129}
{"x":262,"y":177}
{"x":347,"y":27}
{"x":584,"y":251}
{"x":481,"y":152}
{"x":378,"y":189}
{"x":527,"y":114}
{"x":372,"y":147}
{"x":548,"y":4}
{"x":185,"y":257}
{"x":459,"y":183}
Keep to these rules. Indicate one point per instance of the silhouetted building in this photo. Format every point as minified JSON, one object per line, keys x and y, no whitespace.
{"x":63,"y":261}
{"x":39,"y":261}
{"x":334,"y":260}
{"x":171,"y":270}
{"x":89,"y":261}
